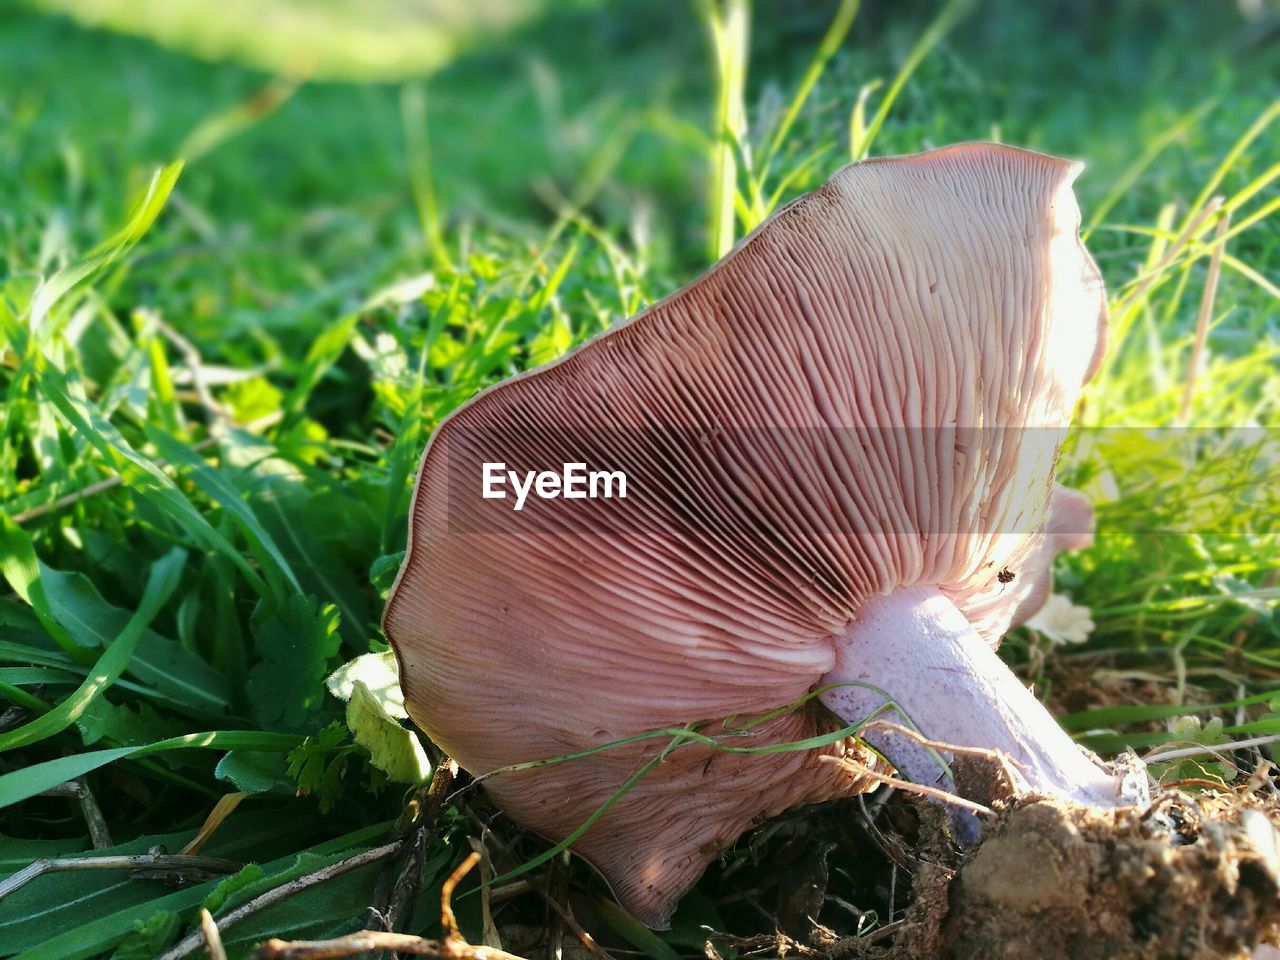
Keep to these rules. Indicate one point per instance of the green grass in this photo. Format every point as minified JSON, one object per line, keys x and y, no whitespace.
{"x":210,"y":419}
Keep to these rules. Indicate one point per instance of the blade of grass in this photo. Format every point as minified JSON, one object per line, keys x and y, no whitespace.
{"x":324,"y":352}
{"x":1255,"y":130}
{"x":417,"y":147}
{"x":1124,"y":183}
{"x":947,"y":18}
{"x":681,"y":737}
{"x":174,"y":675}
{"x":729,"y":27}
{"x":219,"y":489}
{"x":20,"y":567}
{"x":144,"y":214}
{"x":215,"y":130}
{"x":23,"y":699}
{"x":401,"y":457}
{"x":161,"y":583}
{"x":839,"y":28}
{"x":1145,"y":713}
{"x":634,"y":932}
{"x":1252,"y":275}
{"x":23,"y":784}
{"x":1202,"y":323}
{"x":99,"y":936}
{"x":140,"y":475}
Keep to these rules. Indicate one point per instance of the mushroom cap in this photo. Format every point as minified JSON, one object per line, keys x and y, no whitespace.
{"x":868,"y":392}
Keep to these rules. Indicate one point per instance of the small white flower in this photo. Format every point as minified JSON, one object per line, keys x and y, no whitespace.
{"x":1062,"y":621}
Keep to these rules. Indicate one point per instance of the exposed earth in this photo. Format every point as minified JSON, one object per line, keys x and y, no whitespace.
{"x":1179,"y":880}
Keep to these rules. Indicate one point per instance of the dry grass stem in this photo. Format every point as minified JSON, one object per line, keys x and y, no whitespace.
{"x":173,"y":866}
{"x":189,"y":943}
{"x":212,"y":939}
{"x":1206,"y":314}
{"x":941,"y":795}
{"x":99,"y":834}
{"x":1216,"y":749}
{"x":560,"y":909}
{"x":397,"y":887}
{"x":225,"y":806}
{"x":452,"y":946}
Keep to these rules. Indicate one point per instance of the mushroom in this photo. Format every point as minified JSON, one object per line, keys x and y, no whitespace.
{"x":840,"y":444}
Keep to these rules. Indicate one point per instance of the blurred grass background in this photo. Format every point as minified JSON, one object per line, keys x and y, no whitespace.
{"x":88,"y":114}
{"x":384,"y":208}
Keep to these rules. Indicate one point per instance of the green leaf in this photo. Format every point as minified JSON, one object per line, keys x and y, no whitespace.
{"x":228,"y":890}
{"x":253,"y":771}
{"x":219,"y":489}
{"x":165,"y":574}
{"x":22,"y":784}
{"x":139,"y":474}
{"x":380,"y":675}
{"x":319,"y":763}
{"x":63,"y":901}
{"x":322,"y":526}
{"x":144,"y":214}
{"x":20,"y":626}
{"x":149,"y":937}
{"x":15,"y":854}
{"x":134,"y":723}
{"x":635,"y":932}
{"x":328,"y":909}
{"x":394,"y":750}
{"x":296,"y":640}
{"x":88,"y":939}
{"x":383,"y":572}
{"x":20,"y":567}
{"x":178,"y":675}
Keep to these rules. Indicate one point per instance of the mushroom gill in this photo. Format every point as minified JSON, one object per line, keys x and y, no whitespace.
{"x":839,"y":444}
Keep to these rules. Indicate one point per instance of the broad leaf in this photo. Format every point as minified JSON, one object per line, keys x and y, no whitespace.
{"x":296,"y":640}
{"x":164,"y":579}
{"x":253,"y":771}
{"x":22,"y":784}
{"x":381,"y":677}
{"x":395,"y":751}
{"x":178,"y":675}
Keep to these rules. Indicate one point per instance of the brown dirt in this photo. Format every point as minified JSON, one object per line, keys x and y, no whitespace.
{"x":1060,"y":882}
{"x":1191,"y":878}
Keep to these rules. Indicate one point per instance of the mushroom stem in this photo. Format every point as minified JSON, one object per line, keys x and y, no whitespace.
{"x":915,"y":646}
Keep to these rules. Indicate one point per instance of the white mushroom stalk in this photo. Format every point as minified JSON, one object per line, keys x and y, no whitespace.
{"x":946,"y":681}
